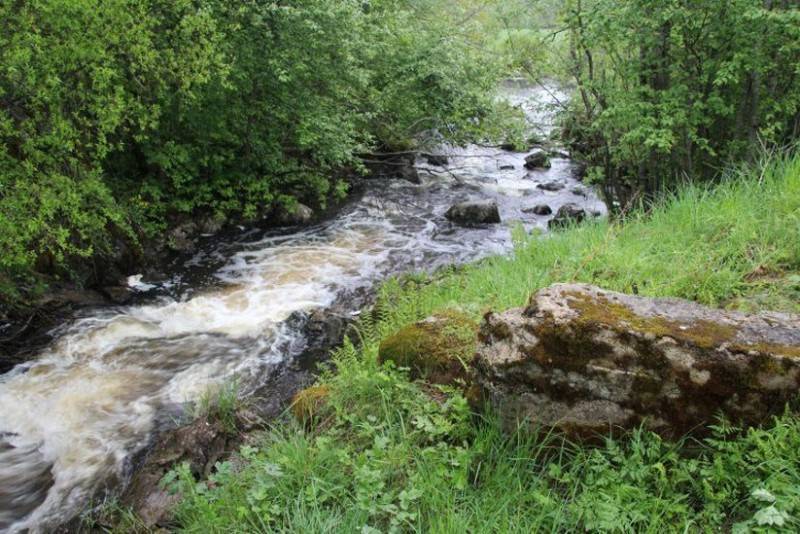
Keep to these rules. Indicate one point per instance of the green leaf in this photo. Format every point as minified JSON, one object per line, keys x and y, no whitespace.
{"x":771,"y":516}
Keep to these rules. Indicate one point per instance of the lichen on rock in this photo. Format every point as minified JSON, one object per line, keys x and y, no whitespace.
{"x":438,"y":348}
{"x":583,"y":359}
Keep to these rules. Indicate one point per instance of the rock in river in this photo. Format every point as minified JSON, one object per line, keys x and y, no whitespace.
{"x":475,"y":212}
{"x":538,"y":159}
{"x":539,"y":209}
{"x":299,"y":214}
{"x":551,"y":186}
{"x":579,"y":191}
{"x":566,"y":214}
{"x":585,"y":360}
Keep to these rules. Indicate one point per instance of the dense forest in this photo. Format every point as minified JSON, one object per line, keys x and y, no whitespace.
{"x":580,"y":313}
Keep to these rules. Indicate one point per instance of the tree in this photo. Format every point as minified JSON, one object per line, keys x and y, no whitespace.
{"x":675,"y":89}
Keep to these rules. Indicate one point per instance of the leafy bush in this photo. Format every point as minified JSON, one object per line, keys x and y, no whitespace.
{"x":116,"y":117}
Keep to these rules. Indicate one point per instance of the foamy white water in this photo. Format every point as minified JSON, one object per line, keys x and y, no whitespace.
{"x":70,"y":418}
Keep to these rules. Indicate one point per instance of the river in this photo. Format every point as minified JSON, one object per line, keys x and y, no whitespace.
{"x":73,"y":416}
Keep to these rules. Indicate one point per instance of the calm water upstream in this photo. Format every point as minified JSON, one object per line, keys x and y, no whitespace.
{"x":72,"y":417}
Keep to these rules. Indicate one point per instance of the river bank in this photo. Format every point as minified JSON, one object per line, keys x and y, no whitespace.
{"x":114,"y":379}
{"x":383,"y":451}
{"x":138,"y":274}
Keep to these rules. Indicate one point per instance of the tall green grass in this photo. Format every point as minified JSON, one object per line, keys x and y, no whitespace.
{"x":390,"y":455}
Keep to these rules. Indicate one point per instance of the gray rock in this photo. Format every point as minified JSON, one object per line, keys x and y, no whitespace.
{"x":199,"y":445}
{"x":507,"y":167}
{"x":538,"y":159}
{"x":394,"y":166}
{"x":551,"y":186}
{"x":118,"y":294}
{"x":539,"y":209}
{"x":477,"y":212}
{"x":587,"y":360}
{"x":71,"y":297}
{"x":183,"y":238}
{"x":578,"y":191}
{"x":567,"y":214}
{"x":300,"y":214}
{"x":508,"y":147}
{"x":210,"y":225}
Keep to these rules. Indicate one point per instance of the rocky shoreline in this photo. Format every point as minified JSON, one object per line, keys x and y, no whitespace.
{"x":26,"y":330}
{"x":205,"y":440}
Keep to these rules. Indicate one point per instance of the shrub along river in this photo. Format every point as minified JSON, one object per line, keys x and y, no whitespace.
{"x":73,"y":417}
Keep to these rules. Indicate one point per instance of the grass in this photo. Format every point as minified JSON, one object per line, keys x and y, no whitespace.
{"x":220,"y":403}
{"x":384,"y":455}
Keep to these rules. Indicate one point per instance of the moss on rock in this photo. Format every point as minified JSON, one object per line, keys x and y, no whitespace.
{"x":579,"y":354}
{"x":438,"y":348}
{"x":598,"y":310}
{"x":308,"y":403}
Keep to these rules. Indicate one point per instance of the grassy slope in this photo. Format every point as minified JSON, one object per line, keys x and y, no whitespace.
{"x":385,"y":456}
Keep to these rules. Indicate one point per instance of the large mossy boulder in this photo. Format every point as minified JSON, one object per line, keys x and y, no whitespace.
{"x":437,"y":349}
{"x":587,"y":360}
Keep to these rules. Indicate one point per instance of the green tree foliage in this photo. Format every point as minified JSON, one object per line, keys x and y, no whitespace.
{"x":116,"y":116}
{"x":675,"y":89}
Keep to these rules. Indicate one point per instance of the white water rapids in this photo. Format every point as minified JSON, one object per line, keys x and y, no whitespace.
{"x":73,"y":416}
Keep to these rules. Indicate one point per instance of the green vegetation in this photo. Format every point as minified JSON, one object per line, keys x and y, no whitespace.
{"x":391,"y":454}
{"x":119,"y":118}
{"x":124,"y":118}
{"x":671,"y":89}
{"x":438,"y":349}
{"x":220,"y":403}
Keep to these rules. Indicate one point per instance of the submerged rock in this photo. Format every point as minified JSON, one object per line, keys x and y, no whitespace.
{"x":438,"y":348}
{"x":566,"y":214}
{"x":476,"y":212}
{"x":539,"y":209}
{"x":538,"y":159}
{"x":586,"y":360}
{"x":579,"y":191}
{"x":551,"y":186}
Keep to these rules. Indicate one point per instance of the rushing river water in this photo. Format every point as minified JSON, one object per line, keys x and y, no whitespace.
{"x":72,"y":417}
